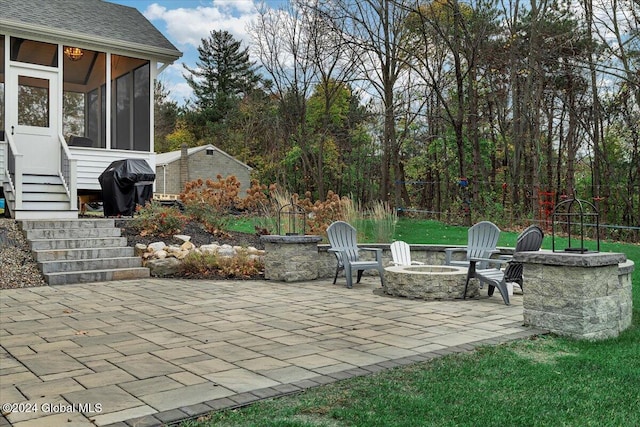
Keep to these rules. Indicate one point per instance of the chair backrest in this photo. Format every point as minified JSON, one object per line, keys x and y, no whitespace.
{"x":482,"y":239}
{"x":401,"y":253}
{"x":529,"y":240}
{"x":342,"y":236}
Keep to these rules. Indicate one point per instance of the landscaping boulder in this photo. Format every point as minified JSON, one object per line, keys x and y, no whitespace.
{"x":165,"y":267}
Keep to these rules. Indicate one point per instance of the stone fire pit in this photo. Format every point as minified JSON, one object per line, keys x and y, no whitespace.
{"x":429,"y":282}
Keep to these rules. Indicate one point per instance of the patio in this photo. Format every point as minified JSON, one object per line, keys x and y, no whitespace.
{"x":154,"y":351}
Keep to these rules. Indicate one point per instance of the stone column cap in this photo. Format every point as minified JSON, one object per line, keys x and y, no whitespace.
{"x":588,"y":259}
{"x":274,"y":238}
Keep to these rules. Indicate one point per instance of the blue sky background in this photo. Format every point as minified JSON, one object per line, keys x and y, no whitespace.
{"x":186,"y":22}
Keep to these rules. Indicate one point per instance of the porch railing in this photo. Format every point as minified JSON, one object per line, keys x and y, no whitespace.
{"x":68,"y":173}
{"x":15,"y":161}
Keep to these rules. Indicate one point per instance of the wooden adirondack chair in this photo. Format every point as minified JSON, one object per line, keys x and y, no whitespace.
{"x":342,"y":237}
{"x":401,"y":254}
{"x":529,"y":240}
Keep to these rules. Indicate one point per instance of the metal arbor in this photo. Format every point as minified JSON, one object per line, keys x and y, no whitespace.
{"x":572,"y":216}
{"x":292,"y":220}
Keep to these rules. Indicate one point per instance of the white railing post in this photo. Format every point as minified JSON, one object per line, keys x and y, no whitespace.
{"x":18,"y":160}
{"x":73,"y":183}
{"x":68,"y":173}
{"x":14,"y":171}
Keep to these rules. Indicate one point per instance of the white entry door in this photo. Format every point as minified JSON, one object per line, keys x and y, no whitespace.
{"x":32,"y":117}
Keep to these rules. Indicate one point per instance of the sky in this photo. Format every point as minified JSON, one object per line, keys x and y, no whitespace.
{"x":186,"y":22}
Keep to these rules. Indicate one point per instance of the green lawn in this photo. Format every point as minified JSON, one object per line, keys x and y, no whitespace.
{"x":548,"y":381}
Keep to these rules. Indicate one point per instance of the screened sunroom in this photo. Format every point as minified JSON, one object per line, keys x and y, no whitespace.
{"x":74,"y":98}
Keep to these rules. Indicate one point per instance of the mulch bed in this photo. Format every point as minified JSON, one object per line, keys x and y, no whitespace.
{"x":199,"y":236}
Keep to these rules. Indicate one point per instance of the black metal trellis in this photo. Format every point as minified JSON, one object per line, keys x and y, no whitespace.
{"x":292,"y":220}
{"x":572,"y":213}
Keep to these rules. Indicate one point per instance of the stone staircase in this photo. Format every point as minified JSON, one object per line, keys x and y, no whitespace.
{"x":81,"y":251}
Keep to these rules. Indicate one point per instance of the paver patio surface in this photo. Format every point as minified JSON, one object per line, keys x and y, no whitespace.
{"x":154,"y":351}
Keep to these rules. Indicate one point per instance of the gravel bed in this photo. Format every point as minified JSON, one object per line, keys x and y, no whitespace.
{"x":18,"y":268}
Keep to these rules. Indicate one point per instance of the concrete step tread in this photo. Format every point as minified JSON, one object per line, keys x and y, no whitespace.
{"x":71,"y":233}
{"x":104,"y":275}
{"x":46,"y":255}
{"x":78,"y":265}
{"x":68,"y":224}
{"x":85,"y":243}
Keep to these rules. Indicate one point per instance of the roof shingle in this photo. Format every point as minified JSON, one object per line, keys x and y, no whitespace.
{"x":92,"y":18}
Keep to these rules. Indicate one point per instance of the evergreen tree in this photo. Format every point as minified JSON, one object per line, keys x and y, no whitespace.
{"x":222,"y":76}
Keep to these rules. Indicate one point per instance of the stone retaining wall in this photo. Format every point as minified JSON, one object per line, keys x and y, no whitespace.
{"x":427,"y":254}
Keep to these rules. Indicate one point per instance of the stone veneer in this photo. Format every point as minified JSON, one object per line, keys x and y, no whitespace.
{"x":297,"y":258}
{"x":428,"y":282}
{"x":585,"y":296}
{"x":291,"y":258}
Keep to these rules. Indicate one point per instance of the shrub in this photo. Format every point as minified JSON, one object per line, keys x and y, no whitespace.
{"x":257,"y":198}
{"x":378,"y":222}
{"x":199,"y":265}
{"x":211,"y":219}
{"x":209,"y":202}
{"x":322,"y":213}
{"x":384,"y":220}
{"x":155,"y":219}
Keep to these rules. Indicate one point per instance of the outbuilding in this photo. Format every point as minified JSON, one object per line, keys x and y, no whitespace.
{"x":174,"y":169}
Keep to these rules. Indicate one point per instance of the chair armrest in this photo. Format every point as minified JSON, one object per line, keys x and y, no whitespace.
{"x":417,"y":263}
{"x":475,"y":260}
{"x":450,"y":251}
{"x":339,"y":253}
{"x":376,"y":250}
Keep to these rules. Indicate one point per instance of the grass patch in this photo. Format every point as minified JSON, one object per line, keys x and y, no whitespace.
{"x":545,"y":381}
{"x":541,"y":382}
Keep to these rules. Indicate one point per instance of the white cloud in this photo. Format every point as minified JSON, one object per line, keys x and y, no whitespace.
{"x":188,"y":26}
{"x":242,"y":6}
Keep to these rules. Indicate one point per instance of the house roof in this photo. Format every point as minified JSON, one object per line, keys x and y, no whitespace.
{"x":94,"y":22}
{"x":163,"y":159}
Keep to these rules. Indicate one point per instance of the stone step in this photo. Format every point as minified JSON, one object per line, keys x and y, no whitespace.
{"x":71,"y":233}
{"x":75,"y":223}
{"x":105,"y":242}
{"x":65,"y":278}
{"x":89,"y":264}
{"x":82,"y":253}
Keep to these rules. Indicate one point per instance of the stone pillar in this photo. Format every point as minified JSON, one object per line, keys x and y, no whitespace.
{"x":584,"y":296}
{"x":291,"y":258}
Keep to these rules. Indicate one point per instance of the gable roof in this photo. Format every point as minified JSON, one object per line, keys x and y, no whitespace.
{"x":95,"y":22}
{"x":163,"y":159}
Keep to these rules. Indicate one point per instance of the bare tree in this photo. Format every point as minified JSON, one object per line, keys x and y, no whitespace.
{"x":375,"y":31}
{"x":282,"y":47}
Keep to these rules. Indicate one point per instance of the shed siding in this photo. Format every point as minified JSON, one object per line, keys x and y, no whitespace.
{"x":171,"y":175}
{"x":209,"y":166}
{"x":202,"y":166}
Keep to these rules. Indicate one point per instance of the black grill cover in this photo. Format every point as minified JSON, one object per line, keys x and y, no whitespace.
{"x":125,"y":184}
